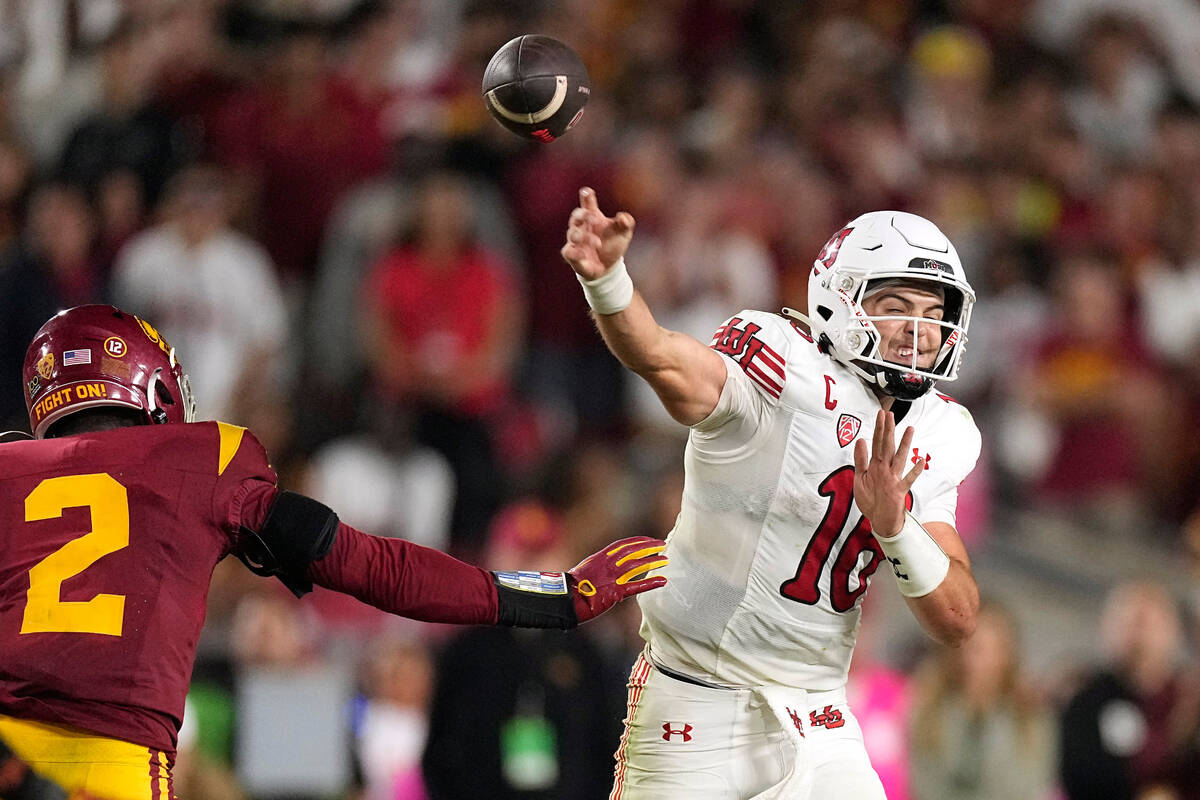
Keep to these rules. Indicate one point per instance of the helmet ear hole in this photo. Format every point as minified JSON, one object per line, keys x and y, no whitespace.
{"x":825,"y":312}
{"x":163,"y":394}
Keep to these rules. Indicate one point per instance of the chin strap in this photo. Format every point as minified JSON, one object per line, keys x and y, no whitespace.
{"x":893,"y":382}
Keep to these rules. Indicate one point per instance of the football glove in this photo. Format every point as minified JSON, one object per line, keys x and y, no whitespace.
{"x":596,"y":584}
{"x":620,"y":570}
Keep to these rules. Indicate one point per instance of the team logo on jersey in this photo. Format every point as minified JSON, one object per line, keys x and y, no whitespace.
{"x":761,"y":363}
{"x":829,"y":717}
{"x":685,"y":732}
{"x":917,"y":458}
{"x":847,"y":428}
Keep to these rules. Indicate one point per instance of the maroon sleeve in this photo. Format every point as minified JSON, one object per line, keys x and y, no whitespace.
{"x":406,"y":579}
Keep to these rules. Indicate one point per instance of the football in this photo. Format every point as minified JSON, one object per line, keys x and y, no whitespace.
{"x":536,"y":86}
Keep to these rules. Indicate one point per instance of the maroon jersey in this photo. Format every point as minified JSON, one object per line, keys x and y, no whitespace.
{"x":107,"y":545}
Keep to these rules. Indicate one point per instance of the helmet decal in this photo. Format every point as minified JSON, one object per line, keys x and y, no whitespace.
{"x":829,"y":252}
{"x":45,"y":367}
{"x":136,"y":369}
{"x":115,"y":346}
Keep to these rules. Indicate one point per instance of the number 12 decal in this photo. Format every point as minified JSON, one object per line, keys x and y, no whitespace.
{"x":45,"y":611}
{"x":804,"y":587}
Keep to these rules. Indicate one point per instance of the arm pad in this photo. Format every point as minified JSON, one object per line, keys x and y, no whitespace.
{"x":298,"y":531}
{"x":539,"y":605}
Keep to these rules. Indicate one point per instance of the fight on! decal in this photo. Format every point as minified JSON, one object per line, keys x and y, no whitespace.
{"x":75,"y":393}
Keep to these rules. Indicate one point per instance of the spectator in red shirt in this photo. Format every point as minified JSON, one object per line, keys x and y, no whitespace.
{"x":443,"y":323}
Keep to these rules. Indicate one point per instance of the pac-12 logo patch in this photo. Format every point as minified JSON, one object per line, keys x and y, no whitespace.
{"x":847,"y":428}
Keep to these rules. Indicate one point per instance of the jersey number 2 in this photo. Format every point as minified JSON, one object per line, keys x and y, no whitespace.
{"x":45,"y":611}
{"x":804,"y":587}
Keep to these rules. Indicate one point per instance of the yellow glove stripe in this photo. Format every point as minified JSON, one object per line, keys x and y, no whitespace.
{"x":621,"y":547}
{"x":645,"y":551}
{"x":628,"y":576}
{"x":585,"y":588}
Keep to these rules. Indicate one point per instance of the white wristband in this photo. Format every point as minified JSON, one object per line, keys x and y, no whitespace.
{"x":611,"y":292}
{"x":918,"y":561}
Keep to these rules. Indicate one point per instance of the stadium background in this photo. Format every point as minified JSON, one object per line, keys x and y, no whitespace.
{"x":309,"y":201}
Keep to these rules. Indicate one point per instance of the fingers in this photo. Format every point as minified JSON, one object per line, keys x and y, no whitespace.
{"x":639,"y":554}
{"x":913,"y":474}
{"x":637,"y":587}
{"x":631,"y":541}
{"x":582,"y":237}
{"x":861,"y":456}
{"x":881,"y":441}
{"x":641,"y":568}
{"x":623,"y":223}
{"x":587,"y":200}
{"x":901,"y":456}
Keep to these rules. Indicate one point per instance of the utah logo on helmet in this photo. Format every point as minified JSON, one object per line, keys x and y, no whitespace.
{"x":97,"y":355}
{"x":887,"y":246}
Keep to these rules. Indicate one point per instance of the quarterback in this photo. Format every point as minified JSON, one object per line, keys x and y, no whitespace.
{"x":797,"y":489}
{"x":112,"y":519}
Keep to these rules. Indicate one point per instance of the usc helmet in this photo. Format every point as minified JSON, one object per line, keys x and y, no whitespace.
{"x":887,"y":246}
{"x":97,"y":355}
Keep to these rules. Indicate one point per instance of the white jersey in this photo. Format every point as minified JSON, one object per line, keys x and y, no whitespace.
{"x":770,"y":556}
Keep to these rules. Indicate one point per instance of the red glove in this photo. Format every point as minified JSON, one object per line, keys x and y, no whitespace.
{"x":607,"y":577}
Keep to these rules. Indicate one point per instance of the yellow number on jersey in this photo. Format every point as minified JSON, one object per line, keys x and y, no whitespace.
{"x":45,"y":612}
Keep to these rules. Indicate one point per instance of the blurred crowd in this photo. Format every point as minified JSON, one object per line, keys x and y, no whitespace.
{"x":308,"y":199}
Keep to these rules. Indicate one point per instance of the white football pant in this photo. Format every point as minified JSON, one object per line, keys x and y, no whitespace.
{"x":688,"y":742}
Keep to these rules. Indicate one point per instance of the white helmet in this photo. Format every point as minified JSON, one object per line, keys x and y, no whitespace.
{"x":880,"y":246}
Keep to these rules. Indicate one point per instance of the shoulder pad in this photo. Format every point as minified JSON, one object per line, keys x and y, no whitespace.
{"x":956,"y":428}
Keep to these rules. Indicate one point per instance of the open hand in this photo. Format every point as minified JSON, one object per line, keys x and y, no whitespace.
{"x":880,"y":482}
{"x":607,"y":577}
{"x":595,"y":242}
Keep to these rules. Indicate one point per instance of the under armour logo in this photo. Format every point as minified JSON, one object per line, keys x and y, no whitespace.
{"x":895,"y":562}
{"x":796,"y":720}
{"x":685,"y":732}
{"x":829,"y":717}
{"x":917,"y":458}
